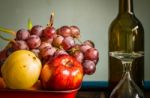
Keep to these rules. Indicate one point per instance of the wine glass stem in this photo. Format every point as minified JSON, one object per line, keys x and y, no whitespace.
{"x":127,"y":65}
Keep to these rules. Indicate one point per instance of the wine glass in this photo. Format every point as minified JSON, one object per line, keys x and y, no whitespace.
{"x":126,"y":88}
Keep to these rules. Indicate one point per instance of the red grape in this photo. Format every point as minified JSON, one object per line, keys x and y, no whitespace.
{"x":20,"y":45}
{"x":47,"y":40}
{"x":84,"y":47}
{"x":47,"y":52}
{"x":89,"y":67}
{"x":89,"y":42}
{"x":57,"y":41}
{"x":37,"y":30}
{"x":44,"y":44}
{"x":49,"y":32}
{"x":79,"y":56}
{"x":60,"y":52}
{"x":75,"y":31}
{"x":65,"y":31}
{"x":91,"y":54}
{"x":22,"y":34}
{"x":96,"y":61}
{"x":34,"y":41}
{"x":68,"y":42}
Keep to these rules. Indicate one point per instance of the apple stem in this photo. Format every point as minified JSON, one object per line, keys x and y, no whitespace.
{"x":68,"y":63}
{"x":7,"y":31}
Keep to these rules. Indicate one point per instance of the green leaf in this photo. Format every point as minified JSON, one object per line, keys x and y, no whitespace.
{"x":7,"y":31}
{"x":6,"y":39}
{"x":29,"y":24}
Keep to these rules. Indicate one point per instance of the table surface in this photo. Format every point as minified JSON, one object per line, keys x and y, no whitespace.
{"x":101,"y":94}
{"x":87,"y":93}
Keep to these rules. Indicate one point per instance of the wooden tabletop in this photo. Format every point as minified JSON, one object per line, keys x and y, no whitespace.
{"x":101,"y":94}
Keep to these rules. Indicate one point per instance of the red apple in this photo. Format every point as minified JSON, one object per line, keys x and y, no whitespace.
{"x":62,"y":73}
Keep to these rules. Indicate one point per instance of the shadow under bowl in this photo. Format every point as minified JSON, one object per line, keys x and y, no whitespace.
{"x":8,"y":93}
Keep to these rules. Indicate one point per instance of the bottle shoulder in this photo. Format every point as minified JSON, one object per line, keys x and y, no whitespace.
{"x":125,"y":21}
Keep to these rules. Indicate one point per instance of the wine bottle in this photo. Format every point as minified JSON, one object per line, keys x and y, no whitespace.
{"x":126,"y":33}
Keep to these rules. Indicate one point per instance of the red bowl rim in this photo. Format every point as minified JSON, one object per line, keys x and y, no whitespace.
{"x":39,"y":90}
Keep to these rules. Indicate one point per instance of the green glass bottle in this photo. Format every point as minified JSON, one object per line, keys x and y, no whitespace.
{"x":126,"y":33}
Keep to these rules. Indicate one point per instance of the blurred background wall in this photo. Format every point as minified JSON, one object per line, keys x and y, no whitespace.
{"x":92,"y":16}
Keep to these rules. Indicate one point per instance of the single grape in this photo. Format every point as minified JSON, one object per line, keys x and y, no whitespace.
{"x":91,"y":54}
{"x":75,"y":31}
{"x":68,"y":42}
{"x":60,"y":52}
{"x":37,"y":30}
{"x":57,"y":41}
{"x":79,"y":56}
{"x":65,"y":31}
{"x":33,"y":41}
{"x":96,"y":61}
{"x":44,"y":44}
{"x":22,"y":34}
{"x":84,"y":47}
{"x":47,"y":52}
{"x":20,"y":45}
{"x":47,"y":40}
{"x":49,"y":32}
{"x":89,"y":42}
{"x":89,"y":67}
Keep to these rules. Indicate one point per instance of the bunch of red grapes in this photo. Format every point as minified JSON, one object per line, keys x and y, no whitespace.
{"x":48,"y":42}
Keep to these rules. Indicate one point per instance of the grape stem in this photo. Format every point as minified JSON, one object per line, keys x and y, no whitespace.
{"x":51,"y":22}
{"x":7,"y":31}
{"x":72,"y":50}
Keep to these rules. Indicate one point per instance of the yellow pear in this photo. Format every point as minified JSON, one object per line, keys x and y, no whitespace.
{"x":21,"y":70}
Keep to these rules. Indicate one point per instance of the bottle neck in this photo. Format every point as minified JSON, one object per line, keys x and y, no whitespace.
{"x":125,"y":6}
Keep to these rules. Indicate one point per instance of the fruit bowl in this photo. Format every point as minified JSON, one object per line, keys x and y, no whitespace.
{"x":55,"y":57}
{"x":7,"y":93}
{"x":36,"y":91}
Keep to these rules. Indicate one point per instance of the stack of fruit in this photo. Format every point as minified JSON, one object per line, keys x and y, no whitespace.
{"x":64,"y":58}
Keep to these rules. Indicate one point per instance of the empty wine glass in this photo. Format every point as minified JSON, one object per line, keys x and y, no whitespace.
{"x":126,"y":88}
